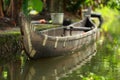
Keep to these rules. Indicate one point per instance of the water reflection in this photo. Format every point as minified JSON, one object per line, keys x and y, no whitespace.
{"x":10,"y":70}
{"x":46,"y":69}
{"x":54,"y":68}
{"x":104,"y":66}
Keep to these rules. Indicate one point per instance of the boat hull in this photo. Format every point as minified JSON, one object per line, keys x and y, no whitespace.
{"x":56,"y":41}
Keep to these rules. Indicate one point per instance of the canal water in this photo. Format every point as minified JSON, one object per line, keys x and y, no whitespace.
{"x":55,"y":68}
{"x":97,"y":61}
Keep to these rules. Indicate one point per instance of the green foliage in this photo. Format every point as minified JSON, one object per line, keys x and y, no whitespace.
{"x":89,"y":2}
{"x":10,"y":46}
{"x":92,"y":76}
{"x":25,"y":7}
{"x":36,"y":5}
{"x":6,"y":2}
{"x":73,"y":5}
{"x":29,"y":5}
{"x":111,"y":20}
{"x":114,"y":4}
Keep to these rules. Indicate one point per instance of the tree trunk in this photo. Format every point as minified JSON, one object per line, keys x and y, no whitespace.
{"x":1,"y":9}
{"x":17,"y":8}
{"x":65,"y":4}
{"x":14,"y":9}
{"x":9,"y":11}
{"x":48,"y":4}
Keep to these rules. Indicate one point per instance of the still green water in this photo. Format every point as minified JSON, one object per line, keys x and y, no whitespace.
{"x":47,"y":68}
{"x":101,"y":65}
{"x":105,"y":65}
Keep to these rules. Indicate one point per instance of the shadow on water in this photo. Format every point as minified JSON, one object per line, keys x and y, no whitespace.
{"x":46,"y":69}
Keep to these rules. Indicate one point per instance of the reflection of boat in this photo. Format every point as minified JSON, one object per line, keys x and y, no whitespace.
{"x":57,"y":67}
{"x":57,"y":41}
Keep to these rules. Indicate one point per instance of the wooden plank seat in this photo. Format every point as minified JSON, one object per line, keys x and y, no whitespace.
{"x":88,"y":25}
{"x":71,"y":29}
{"x":78,"y":28}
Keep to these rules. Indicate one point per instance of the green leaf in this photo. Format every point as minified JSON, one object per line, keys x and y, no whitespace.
{"x":37,"y":5}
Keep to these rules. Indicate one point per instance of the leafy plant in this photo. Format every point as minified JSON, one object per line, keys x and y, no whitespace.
{"x":29,"y":5}
{"x":111,"y":21}
{"x":74,"y":5}
{"x":36,"y":5}
{"x":114,"y":4}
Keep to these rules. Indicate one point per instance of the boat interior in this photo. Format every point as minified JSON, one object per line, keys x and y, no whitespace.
{"x":73,"y":29}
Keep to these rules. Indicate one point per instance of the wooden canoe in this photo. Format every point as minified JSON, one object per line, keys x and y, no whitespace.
{"x":57,"y":41}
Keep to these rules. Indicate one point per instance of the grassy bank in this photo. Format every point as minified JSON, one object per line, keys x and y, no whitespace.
{"x":10,"y":45}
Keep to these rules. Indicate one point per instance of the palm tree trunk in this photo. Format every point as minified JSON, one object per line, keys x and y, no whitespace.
{"x":1,"y":9}
{"x":14,"y":9}
{"x":17,"y":8}
{"x":10,"y":9}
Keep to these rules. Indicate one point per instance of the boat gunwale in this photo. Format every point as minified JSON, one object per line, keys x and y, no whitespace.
{"x":63,"y":38}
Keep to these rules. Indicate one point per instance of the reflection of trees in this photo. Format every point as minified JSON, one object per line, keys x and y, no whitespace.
{"x":1,"y":70}
{"x":11,"y":71}
{"x":104,"y":64}
{"x":50,"y":68}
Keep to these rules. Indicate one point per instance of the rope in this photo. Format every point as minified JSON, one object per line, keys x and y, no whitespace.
{"x":33,"y":52}
{"x":56,"y":42}
{"x":64,"y":44}
{"x":45,"y":39}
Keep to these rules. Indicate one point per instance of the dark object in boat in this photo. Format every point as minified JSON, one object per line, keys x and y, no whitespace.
{"x":57,"y":41}
{"x":67,"y":22}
